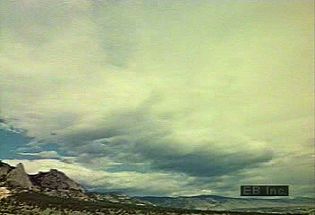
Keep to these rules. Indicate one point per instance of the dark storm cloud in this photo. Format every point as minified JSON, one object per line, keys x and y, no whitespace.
{"x":203,"y":163}
{"x":132,"y":137}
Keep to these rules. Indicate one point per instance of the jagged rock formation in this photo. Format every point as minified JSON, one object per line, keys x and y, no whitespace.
{"x":54,"y":182}
{"x":14,"y":177}
{"x":17,"y":177}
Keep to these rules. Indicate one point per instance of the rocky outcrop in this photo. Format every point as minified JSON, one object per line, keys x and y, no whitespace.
{"x":14,"y":177}
{"x":18,"y":178}
{"x":55,"y":180}
{"x":4,"y":170}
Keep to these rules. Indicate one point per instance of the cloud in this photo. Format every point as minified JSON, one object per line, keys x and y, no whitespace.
{"x":46,"y":155}
{"x":202,"y":89}
{"x":43,"y":154}
{"x":6,"y":127}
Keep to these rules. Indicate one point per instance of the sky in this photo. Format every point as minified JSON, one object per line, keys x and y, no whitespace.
{"x":158,"y":97}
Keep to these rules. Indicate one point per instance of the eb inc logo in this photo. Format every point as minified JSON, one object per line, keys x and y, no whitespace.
{"x":264,"y":190}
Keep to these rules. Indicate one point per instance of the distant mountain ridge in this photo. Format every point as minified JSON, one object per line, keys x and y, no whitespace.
{"x":220,"y":203}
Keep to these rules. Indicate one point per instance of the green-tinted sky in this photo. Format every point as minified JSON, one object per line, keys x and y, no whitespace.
{"x":161,"y":97}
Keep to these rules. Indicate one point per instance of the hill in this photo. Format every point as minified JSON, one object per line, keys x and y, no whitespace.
{"x":53,"y":192}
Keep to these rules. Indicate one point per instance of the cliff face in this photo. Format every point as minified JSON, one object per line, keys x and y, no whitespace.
{"x":14,"y":177}
{"x":17,"y":177}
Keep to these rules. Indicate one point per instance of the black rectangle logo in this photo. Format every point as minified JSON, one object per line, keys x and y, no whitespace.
{"x":264,"y":190}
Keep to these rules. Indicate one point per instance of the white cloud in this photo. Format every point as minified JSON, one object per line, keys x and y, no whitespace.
{"x":42,"y":154}
{"x":4,"y":126}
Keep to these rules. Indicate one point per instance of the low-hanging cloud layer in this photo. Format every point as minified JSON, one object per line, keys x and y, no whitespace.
{"x":159,"y":97}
